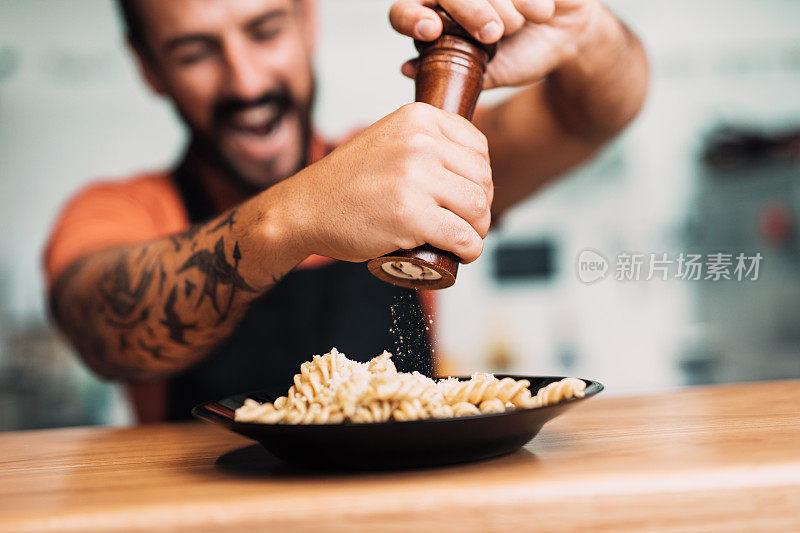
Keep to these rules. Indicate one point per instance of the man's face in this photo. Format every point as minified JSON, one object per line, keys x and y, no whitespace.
{"x":239,"y":72}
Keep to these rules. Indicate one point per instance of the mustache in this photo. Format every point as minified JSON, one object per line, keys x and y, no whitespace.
{"x":227,"y":107}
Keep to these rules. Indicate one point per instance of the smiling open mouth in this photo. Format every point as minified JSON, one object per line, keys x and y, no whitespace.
{"x":261,"y":120}
{"x":260,"y":133}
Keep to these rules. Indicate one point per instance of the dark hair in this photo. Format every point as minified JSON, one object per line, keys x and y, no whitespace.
{"x":132,"y":21}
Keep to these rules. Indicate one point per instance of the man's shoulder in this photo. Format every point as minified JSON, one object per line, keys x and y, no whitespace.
{"x":154,"y":194}
{"x":155,"y":183}
{"x":114,"y":212}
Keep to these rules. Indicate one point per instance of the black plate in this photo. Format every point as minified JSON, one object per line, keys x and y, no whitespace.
{"x":393,"y":444}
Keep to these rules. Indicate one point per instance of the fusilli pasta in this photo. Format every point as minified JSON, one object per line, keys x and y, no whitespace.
{"x":332,"y":389}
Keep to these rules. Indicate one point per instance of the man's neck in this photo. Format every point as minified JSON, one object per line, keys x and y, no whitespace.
{"x":222,"y":190}
{"x":219,"y":183}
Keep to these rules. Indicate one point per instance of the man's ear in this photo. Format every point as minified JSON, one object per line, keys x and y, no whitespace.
{"x":308,"y":13}
{"x":147,"y":68}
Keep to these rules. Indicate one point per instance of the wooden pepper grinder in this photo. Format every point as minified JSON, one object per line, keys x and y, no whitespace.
{"x":449,"y":76}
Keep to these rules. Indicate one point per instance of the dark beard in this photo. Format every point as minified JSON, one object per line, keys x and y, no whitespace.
{"x":208,"y":151}
{"x":205,"y":147}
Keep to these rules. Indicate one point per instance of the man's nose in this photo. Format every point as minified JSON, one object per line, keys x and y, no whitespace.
{"x":246,"y":79}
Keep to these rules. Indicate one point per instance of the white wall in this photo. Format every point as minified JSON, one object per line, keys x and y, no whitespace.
{"x":711,"y":60}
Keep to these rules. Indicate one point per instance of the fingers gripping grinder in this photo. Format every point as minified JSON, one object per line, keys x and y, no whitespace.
{"x":449,"y":76}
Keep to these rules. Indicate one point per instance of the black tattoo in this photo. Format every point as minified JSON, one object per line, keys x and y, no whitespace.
{"x":162,"y":278}
{"x":123,"y":296}
{"x":218,"y":271}
{"x":185,"y":236}
{"x":142,"y":254}
{"x":229,"y":221}
{"x":177,"y":328}
{"x":188,"y":288}
{"x":189,"y":233}
{"x":154,"y":350}
{"x":129,"y":324}
{"x":122,"y":325}
{"x":124,"y":344}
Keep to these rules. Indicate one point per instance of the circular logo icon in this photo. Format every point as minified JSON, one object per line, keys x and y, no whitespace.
{"x":592,"y":266}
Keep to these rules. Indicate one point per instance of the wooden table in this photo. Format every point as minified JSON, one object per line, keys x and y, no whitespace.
{"x":708,"y":459}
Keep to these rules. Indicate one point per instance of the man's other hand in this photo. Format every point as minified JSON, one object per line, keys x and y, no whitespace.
{"x":536,"y":36}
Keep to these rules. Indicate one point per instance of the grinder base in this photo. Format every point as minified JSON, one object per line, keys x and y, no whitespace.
{"x":424,"y":268}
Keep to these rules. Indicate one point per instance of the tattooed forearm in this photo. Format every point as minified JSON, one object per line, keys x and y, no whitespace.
{"x":227,"y":221}
{"x":217,"y":271}
{"x":172,"y":320}
{"x":157,"y":307}
{"x":184,"y":237}
{"x":119,"y":292}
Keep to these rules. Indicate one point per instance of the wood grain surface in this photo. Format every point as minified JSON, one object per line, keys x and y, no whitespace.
{"x":714,"y":459}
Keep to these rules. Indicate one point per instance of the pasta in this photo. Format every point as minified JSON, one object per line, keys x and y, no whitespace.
{"x":331,"y":389}
{"x":559,"y":391}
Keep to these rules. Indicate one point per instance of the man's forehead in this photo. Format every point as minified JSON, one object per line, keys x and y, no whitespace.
{"x":168,"y":19}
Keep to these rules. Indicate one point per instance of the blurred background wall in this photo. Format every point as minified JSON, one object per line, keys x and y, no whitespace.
{"x":711,"y":165}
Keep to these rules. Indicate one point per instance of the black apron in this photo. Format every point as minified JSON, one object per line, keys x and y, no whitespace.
{"x":308,"y":312}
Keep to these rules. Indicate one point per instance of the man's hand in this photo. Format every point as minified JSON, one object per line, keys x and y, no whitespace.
{"x":419,"y":175}
{"x":538,"y":36}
